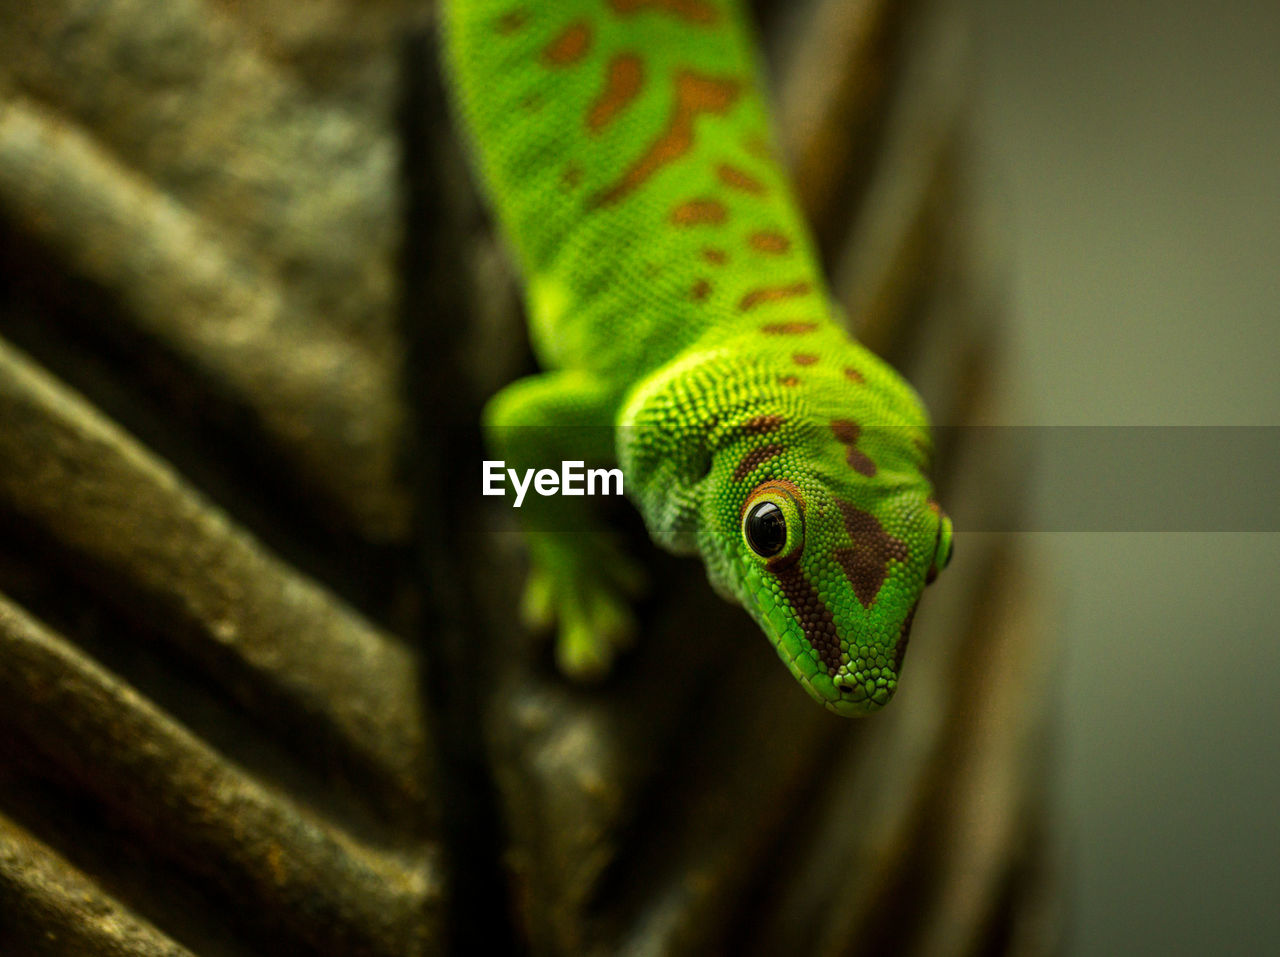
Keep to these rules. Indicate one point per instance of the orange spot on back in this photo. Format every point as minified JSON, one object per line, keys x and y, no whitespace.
{"x":700,"y":291}
{"x":569,"y":46}
{"x":804,"y":359}
{"x":853,"y":375}
{"x":717,"y":257}
{"x":768,"y":241}
{"x":788,"y":328}
{"x":512,"y":21}
{"x":695,"y":93}
{"x":774,"y":294}
{"x":735,"y":178}
{"x":789,"y":380}
{"x":697,"y":211}
{"x":623,"y":81}
{"x":693,"y":11}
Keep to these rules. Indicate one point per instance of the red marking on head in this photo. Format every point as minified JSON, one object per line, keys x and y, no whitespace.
{"x":717,"y":257}
{"x":624,"y":78}
{"x":700,"y":291}
{"x":698,"y":211}
{"x":696,"y":93}
{"x":813,"y":615}
{"x":811,"y":612}
{"x":755,"y":458}
{"x":860,"y":462}
{"x":853,"y":375}
{"x":774,"y":294}
{"x":847,"y":433}
{"x":738,"y":179}
{"x":788,"y":328}
{"x":804,"y":359}
{"x":692,"y":11}
{"x":569,"y":46}
{"x":762,"y":424}
{"x":512,"y":21}
{"x":866,"y":564}
{"x":770,"y":242}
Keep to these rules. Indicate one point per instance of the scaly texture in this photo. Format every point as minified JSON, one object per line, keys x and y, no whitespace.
{"x":676,"y":301}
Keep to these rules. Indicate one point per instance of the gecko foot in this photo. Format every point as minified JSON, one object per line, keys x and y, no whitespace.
{"x":581,"y":584}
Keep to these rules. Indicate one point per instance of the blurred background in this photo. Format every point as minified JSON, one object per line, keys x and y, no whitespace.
{"x":1132,"y":151}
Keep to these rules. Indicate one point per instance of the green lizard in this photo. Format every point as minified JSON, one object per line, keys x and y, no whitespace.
{"x":675,"y":298}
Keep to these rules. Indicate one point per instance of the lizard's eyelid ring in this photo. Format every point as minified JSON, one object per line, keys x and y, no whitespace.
{"x":773,"y":525}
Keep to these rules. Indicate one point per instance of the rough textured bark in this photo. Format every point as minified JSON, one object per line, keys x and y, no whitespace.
{"x":261,"y":685}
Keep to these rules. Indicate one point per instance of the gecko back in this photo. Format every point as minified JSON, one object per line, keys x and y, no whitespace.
{"x":628,"y":151}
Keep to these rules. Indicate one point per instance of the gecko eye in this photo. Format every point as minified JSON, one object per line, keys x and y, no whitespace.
{"x":773,"y":524}
{"x":766,"y":529}
{"x":946,"y":544}
{"x":942,"y":548}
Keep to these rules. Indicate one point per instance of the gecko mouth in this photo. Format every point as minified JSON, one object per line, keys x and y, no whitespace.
{"x":861,"y":694}
{"x":848,"y":708}
{"x":867,"y":690}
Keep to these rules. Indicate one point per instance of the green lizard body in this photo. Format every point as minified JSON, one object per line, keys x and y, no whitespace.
{"x":675,"y":298}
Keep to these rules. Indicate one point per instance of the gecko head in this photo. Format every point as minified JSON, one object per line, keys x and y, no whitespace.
{"x":827,"y":534}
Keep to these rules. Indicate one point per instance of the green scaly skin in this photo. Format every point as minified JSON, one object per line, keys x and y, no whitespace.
{"x":675,"y":297}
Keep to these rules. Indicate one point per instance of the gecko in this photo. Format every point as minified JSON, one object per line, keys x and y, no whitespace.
{"x":686,"y":333}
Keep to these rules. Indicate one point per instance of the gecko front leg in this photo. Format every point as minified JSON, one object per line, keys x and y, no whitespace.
{"x":580,"y":581}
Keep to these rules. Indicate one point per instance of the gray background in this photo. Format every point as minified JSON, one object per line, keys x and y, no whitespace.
{"x":1133,"y":151}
